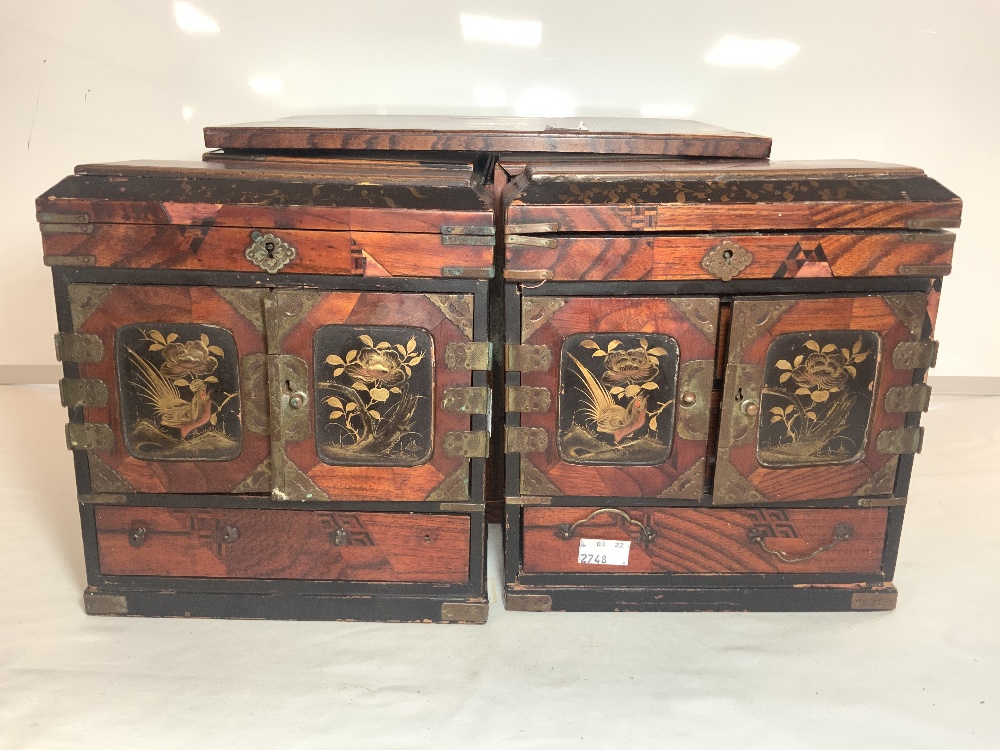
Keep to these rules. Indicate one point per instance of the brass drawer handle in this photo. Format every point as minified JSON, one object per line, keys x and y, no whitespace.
{"x":841,"y":533}
{"x":646,"y":533}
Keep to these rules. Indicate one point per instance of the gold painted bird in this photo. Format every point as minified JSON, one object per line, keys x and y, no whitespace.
{"x":610,"y":416}
{"x":171,"y":409}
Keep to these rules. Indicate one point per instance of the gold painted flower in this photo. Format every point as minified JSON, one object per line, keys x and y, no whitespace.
{"x":824,"y":371}
{"x":190,"y":359}
{"x":383,"y":366}
{"x":629,"y":367}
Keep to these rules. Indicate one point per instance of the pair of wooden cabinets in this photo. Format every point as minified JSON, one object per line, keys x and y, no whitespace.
{"x":296,"y":380}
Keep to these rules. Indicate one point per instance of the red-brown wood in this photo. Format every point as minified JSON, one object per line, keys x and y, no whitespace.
{"x":282,"y":544}
{"x":423,"y":133}
{"x":830,"y":481}
{"x":602,"y":314}
{"x":374,"y":308}
{"x":170,"y":304}
{"x":661,"y":258}
{"x":709,"y":540}
{"x":207,"y":248}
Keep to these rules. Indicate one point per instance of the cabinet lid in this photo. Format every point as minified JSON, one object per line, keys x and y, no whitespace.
{"x":364,"y":195}
{"x":646,"y":136}
{"x":673,"y":195}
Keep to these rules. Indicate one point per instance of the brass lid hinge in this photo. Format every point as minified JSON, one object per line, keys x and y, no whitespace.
{"x":468,"y":272}
{"x":539,"y":228}
{"x":527,"y":358}
{"x":474,"y":400}
{"x":514,"y":240}
{"x":474,"y":355}
{"x":89,"y":437}
{"x":101,"y":499}
{"x":881,"y":502}
{"x":906,"y":440}
{"x":56,"y":223}
{"x":523,"y":398}
{"x":526,"y":440}
{"x":910,"y":398}
{"x":74,"y":393}
{"x":78,"y":347}
{"x":915,"y":355}
{"x":530,"y":274}
{"x":468,"y":235}
{"x":467,"y":444}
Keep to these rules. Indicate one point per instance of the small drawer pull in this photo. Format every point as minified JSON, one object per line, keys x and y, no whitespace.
{"x":646,"y":533}
{"x":228,"y":534}
{"x":841,"y":533}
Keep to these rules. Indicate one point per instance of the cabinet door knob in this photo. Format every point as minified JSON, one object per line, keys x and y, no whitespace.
{"x":750,"y":407}
{"x":297,"y":400}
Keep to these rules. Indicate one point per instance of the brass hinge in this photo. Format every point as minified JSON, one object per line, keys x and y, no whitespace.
{"x":69,"y":260}
{"x":467,"y":444}
{"x":462,"y":508}
{"x":905,"y":440}
{"x":910,"y":398}
{"x":881,"y":502}
{"x":526,"y":440}
{"x":104,"y":604}
{"x":79,"y":347}
{"x":530,"y":274}
{"x":527,"y":357}
{"x":932,"y":223}
{"x":915,"y":355}
{"x":523,"y":398}
{"x":468,"y":272}
{"x":937,"y":238}
{"x":52,"y":217}
{"x":466,"y":235}
{"x":926,"y":269}
{"x":549,"y":226}
{"x":523,"y":240}
{"x":89,"y":437}
{"x":876,"y":600}
{"x":474,"y":355}
{"x":475,"y":400}
{"x":528,"y":603}
{"x":528,"y":500}
{"x":464,"y":612}
{"x":101,"y":499}
{"x":74,"y":393}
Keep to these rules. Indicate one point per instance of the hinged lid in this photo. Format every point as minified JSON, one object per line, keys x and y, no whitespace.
{"x":673,"y":195}
{"x":579,"y":135}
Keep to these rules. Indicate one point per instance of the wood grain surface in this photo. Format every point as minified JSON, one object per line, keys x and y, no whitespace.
{"x":709,"y":540}
{"x":282,"y":544}
{"x":778,"y":256}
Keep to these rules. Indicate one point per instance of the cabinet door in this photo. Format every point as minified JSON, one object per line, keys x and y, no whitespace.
{"x":367,"y":403}
{"x":619,"y":405}
{"x":816,"y":396}
{"x":183,"y":407}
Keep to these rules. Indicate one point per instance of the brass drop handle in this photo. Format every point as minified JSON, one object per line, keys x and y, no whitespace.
{"x":136,"y":536}
{"x":646,"y":533}
{"x":841,"y":533}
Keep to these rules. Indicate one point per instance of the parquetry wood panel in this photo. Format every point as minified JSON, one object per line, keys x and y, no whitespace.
{"x":710,"y":540}
{"x":373,"y":482}
{"x":783,"y":256}
{"x":282,"y":544}
{"x":637,"y":315}
{"x":118,"y":306}
{"x":757,"y":323}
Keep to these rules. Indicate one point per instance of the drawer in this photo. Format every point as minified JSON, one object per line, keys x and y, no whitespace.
{"x":282,"y":544}
{"x":708,"y":540}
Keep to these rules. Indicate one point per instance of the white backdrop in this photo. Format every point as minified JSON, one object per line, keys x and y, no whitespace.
{"x":901,"y":80}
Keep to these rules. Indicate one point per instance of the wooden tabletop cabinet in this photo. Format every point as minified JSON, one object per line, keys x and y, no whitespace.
{"x":276,"y":377}
{"x":714,"y":378}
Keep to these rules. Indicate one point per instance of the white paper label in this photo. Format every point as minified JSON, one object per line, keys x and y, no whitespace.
{"x":603,"y":552}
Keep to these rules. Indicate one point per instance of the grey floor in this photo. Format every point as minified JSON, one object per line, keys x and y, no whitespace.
{"x":924,"y":676}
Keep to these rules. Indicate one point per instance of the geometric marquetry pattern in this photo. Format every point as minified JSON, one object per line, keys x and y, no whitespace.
{"x":771,"y":522}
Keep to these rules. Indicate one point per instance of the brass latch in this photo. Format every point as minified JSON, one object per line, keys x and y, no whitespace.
{"x":474,"y":355}
{"x":910,"y":398}
{"x":79,"y":347}
{"x":468,"y":235}
{"x":915,"y":355}
{"x":74,"y":393}
{"x":89,"y":437}
{"x":527,"y":358}
{"x":522,"y":398}
{"x":475,"y":400}
{"x":906,"y":440}
{"x":467,"y":444}
{"x":526,"y":440}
